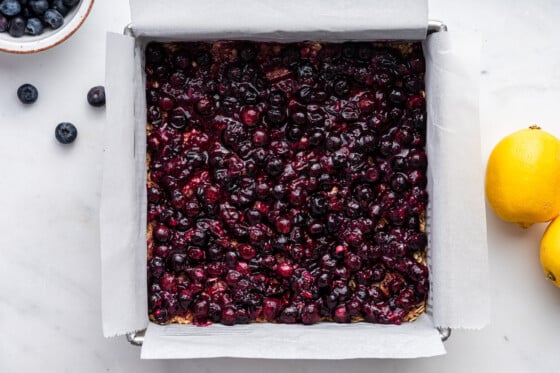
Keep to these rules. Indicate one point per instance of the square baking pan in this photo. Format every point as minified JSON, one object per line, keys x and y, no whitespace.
{"x":456,"y":253}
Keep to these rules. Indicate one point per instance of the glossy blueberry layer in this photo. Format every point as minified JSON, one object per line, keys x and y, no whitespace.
{"x":286,"y":182}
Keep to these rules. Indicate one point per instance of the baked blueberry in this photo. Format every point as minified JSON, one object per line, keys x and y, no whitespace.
{"x":27,"y":93}
{"x":285,"y":183}
{"x":203,"y":58}
{"x":96,"y":96}
{"x":66,"y":133}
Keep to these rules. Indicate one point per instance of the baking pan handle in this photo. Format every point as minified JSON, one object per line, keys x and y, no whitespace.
{"x":128,"y":30}
{"x":136,"y":338}
{"x":444,"y":333}
{"x":436,"y":26}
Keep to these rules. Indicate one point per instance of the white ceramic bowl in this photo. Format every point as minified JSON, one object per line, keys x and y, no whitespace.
{"x":49,"y":38}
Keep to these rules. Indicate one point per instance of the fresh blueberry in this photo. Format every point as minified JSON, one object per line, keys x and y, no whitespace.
{"x":10,"y":7}
{"x":17,"y":27}
{"x":53,"y":18}
{"x":27,"y":93}
{"x":39,"y":6}
{"x":4,"y":23}
{"x":34,"y":26}
{"x":66,"y":133}
{"x":59,"y":6}
{"x":96,"y":96}
{"x":26,"y":12}
{"x":70,"y":3}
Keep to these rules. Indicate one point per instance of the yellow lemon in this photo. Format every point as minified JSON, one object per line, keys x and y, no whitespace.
{"x":550,"y":252}
{"x":523,"y":177}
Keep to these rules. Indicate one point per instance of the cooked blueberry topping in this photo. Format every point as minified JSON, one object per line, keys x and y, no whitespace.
{"x":286,"y":182}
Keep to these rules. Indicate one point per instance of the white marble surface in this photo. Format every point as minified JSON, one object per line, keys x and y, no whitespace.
{"x":49,"y":195}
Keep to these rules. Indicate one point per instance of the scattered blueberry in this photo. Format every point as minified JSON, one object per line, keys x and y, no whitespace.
{"x":34,"y":26}
{"x":17,"y":27}
{"x":4,"y":23}
{"x":27,"y":93}
{"x":53,"y":18}
{"x":39,"y":7}
{"x":66,"y":133}
{"x":10,"y":8}
{"x":96,"y":96}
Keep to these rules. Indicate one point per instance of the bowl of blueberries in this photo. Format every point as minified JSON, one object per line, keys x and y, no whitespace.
{"x":29,"y":26}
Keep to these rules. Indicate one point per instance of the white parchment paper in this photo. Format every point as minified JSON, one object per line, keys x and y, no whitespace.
{"x":457,"y":220}
{"x":275,"y":341}
{"x":123,"y":206}
{"x":457,"y":226}
{"x":281,"y":20}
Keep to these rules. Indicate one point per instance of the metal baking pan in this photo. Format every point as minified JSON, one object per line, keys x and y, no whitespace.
{"x":137,"y":338}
